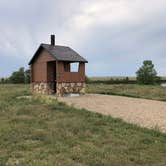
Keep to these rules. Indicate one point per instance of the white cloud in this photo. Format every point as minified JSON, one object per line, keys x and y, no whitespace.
{"x":106,"y":32}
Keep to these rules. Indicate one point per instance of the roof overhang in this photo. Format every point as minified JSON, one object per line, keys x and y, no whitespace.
{"x":41,"y":47}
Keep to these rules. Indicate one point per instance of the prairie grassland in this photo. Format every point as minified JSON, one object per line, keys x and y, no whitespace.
{"x":38,"y":131}
{"x":118,"y":80}
{"x":155,"y":92}
{"x":106,"y":78}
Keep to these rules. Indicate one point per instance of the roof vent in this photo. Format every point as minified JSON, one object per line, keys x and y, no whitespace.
{"x":53,"y":40}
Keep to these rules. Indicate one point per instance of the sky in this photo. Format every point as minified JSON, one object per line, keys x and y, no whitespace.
{"x":115,"y":36}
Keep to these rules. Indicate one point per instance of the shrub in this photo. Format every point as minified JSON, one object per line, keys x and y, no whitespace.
{"x":18,"y":76}
{"x":87,"y":79}
{"x":4,"y":80}
{"x":27,"y":76}
{"x":147,"y":74}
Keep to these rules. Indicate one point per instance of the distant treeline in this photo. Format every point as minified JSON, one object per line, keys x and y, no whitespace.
{"x":145,"y":75}
{"x":120,"y":80}
{"x":21,"y":76}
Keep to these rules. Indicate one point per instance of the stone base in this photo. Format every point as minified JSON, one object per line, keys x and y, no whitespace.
{"x":66,"y":88}
{"x":42,"y":88}
{"x":61,"y":88}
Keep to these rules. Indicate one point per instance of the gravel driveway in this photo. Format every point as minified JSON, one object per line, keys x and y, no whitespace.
{"x":146,"y":113}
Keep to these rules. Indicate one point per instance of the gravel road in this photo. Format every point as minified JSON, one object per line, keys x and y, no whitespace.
{"x":146,"y":113}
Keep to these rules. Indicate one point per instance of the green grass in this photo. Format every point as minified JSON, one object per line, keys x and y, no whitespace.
{"x":39,"y":131}
{"x":154,"y":92}
{"x":117,"y":80}
{"x":115,"y":77}
{"x":108,"y":78}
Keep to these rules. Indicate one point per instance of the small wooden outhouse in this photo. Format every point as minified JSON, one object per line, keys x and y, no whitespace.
{"x":52,"y":70}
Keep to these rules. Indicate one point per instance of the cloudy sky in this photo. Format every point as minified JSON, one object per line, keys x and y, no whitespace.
{"x":115,"y":36}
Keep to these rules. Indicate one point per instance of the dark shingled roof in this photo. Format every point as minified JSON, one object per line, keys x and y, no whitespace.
{"x":60,"y":53}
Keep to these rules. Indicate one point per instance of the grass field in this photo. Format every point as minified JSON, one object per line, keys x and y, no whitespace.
{"x":108,"y":78}
{"x":39,"y":132}
{"x":117,"y":80}
{"x":132,"y":90}
{"x":116,"y":77}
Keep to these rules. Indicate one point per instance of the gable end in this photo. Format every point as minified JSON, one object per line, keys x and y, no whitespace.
{"x":38,"y":52}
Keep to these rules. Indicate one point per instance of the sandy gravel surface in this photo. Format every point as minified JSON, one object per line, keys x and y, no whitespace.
{"x":146,"y":113}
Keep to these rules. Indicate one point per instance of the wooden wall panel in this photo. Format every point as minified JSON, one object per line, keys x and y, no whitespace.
{"x":63,"y":76}
{"x":42,"y":70}
{"x":39,"y":72}
{"x":39,"y":67}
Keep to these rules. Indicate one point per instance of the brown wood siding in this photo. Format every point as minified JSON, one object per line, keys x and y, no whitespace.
{"x":63,"y":76}
{"x":39,"y":67}
{"x":43,"y":65}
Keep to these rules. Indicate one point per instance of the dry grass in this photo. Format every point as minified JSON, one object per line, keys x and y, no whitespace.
{"x":108,"y":78}
{"x":115,"y":77}
{"x":36,"y":131}
{"x":130,"y":90}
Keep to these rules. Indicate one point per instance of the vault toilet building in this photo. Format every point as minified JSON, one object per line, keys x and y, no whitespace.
{"x":51,"y":70}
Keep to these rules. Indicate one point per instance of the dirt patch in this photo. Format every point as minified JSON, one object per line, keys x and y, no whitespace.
{"x":146,"y":113}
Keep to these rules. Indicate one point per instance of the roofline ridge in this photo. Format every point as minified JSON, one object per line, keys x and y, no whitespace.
{"x":53,"y":45}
